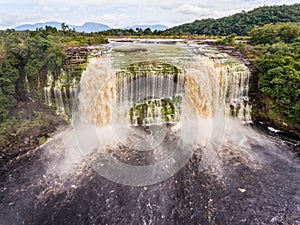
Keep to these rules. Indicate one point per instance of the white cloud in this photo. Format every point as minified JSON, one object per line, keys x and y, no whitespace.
{"x":191,"y":9}
{"x":119,"y":13}
{"x":48,"y":9}
{"x":64,"y":9}
{"x":11,"y":19}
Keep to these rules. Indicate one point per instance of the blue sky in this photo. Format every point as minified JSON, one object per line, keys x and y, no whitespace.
{"x":119,"y":13}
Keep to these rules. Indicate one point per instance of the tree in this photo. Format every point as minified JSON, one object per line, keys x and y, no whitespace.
{"x":270,"y":33}
{"x":65,"y":28}
{"x":279,"y":68}
{"x":8,"y":78}
{"x":239,"y":23}
{"x":148,"y":31}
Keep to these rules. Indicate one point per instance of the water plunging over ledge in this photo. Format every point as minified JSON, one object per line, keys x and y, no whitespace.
{"x":212,"y":82}
{"x":156,"y":139}
{"x":141,"y":96}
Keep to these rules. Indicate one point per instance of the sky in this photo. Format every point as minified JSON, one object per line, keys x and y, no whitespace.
{"x":121,"y":13}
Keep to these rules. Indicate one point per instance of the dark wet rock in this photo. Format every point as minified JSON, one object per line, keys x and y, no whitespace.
{"x":233,"y":190}
{"x":29,"y":138}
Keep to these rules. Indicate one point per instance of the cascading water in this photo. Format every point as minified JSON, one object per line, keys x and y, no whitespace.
{"x":150,"y":93}
{"x":154,"y":141}
{"x":159,"y":97}
{"x":213,"y":85}
{"x":98,"y":92}
{"x":217,"y":87}
{"x":61,"y":92}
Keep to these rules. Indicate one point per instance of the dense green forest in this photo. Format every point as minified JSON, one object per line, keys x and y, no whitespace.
{"x":26,"y":56}
{"x":240,"y":23}
{"x":131,"y":32}
{"x":28,"y":53}
{"x":277,"y":50}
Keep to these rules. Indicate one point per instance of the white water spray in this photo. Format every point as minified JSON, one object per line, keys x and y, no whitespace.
{"x":103,"y":123}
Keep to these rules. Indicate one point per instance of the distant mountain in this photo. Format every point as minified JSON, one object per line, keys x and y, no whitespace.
{"x":91,"y":27}
{"x":37,"y":25}
{"x":240,"y":23}
{"x":87,"y":27}
{"x":152,"y":27}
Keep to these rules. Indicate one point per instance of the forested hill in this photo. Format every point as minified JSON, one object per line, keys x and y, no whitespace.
{"x":240,"y":23}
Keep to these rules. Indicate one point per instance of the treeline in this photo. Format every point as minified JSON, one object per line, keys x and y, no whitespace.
{"x":131,"y":32}
{"x":24,"y":55}
{"x":240,"y":23}
{"x":278,"y":61}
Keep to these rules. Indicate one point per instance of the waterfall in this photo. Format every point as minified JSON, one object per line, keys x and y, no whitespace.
{"x":27,"y":85}
{"x":160,"y":110}
{"x":156,"y":107}
{"x":61,"y":92}
{"x":146,"y":92}
{"x":215,"y":86}
{"x":97,"y":92}
{"x":150,"y":98}
{"x":186,"y":163}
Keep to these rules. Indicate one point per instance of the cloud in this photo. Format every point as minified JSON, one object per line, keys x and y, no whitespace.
{"x":11,"y":19}
{"x":119,"y":13}
{"x":64,"y":9}
{"x":48,"y":9}
{"x":191,"y":10}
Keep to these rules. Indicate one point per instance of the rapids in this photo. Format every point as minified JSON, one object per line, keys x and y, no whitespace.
{"x":160,"y":135}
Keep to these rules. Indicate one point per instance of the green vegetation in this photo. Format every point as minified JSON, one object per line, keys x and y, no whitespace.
{"x":26,"y":58}
{"x":228,"y":40}
{"x":130,"y":32}
{"x":8,"y":78}
{"x":29,"y":128}
{"x":278,"y":61}
{"x":167,"y":110}
{"x":144,"y":68}
{"x":271,"y":34}
{"x":240,"y":23}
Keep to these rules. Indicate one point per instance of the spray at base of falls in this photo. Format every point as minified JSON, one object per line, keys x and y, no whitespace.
{"x":208,"y":89}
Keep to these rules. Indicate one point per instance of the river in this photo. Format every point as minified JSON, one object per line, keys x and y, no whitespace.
{"x":161,"y":134}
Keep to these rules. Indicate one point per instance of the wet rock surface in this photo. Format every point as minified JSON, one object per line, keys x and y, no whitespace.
{"x":27,"y":138}
{"x":262,"y":187}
